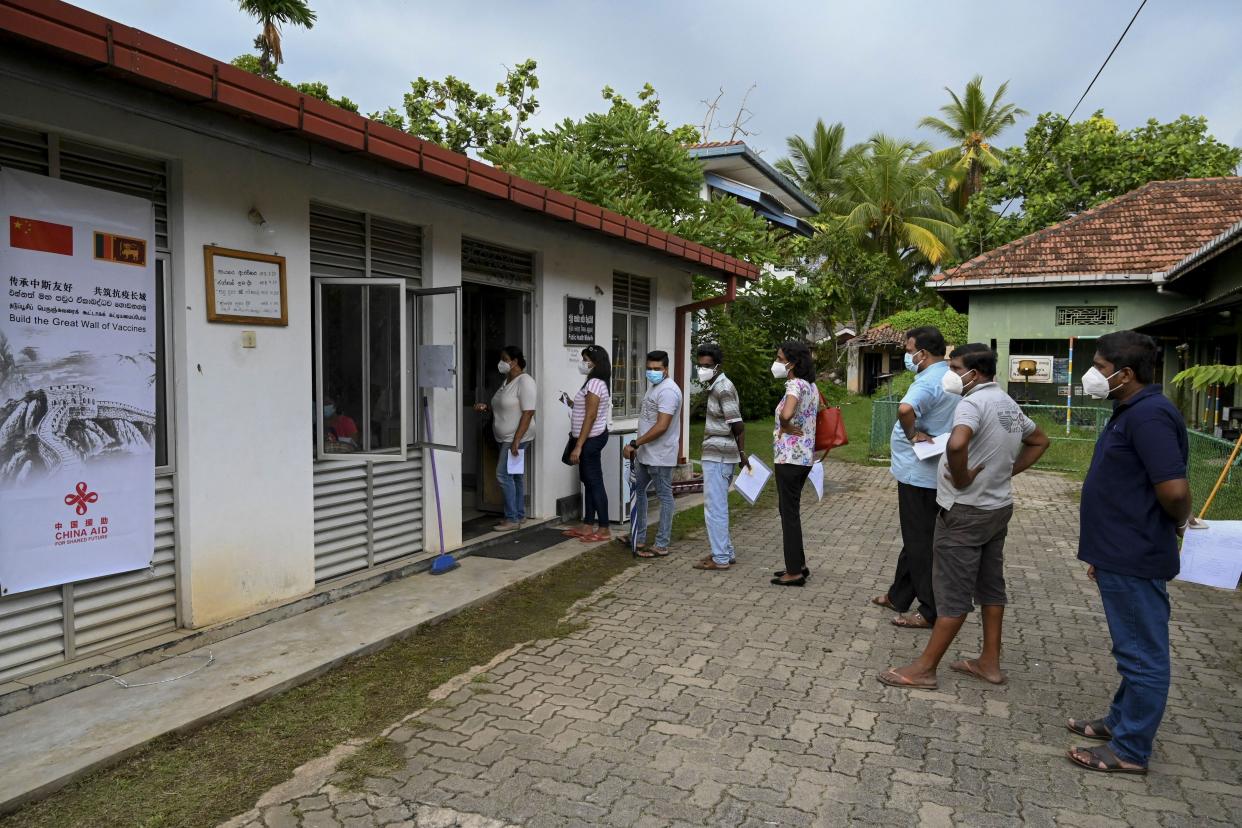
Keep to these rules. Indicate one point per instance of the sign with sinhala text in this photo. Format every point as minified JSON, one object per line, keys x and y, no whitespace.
{"x":77,"y":382}
{"x":246,"y":288}
{"x":579,"y":321}
{"x":1032,"y":368}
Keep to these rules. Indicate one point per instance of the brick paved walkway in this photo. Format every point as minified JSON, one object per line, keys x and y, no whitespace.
{"x":705,"y":699}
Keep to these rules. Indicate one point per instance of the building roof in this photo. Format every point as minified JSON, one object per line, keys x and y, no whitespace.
{"x":884,"y":334}
{"x":145,"y":60}
{"x":738,"y":162}
{"x":1149,"y":234}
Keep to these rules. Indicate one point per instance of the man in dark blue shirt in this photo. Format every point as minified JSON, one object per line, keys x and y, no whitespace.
{"x":1135,"y":508}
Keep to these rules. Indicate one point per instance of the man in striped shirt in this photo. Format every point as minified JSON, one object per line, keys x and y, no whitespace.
{"x":724,"y":447}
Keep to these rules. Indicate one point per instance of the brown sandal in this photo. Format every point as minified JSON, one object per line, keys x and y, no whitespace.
{"x":711,"y":566}
{"x":912,"y":621}
{"x":894,"y":679}
{"x":883,"y":601}
{"x":1103,"y":760}
{"x":970,"y":667}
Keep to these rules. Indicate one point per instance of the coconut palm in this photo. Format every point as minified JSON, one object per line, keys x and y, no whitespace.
{"x":971,"y":122}
{"x":816,"y":166}
{"x":272,"y":14}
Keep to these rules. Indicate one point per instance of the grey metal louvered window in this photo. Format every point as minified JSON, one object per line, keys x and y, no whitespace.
{"x":50,"y":627}
{"x":366,"y":513}
{"x":631,"y":329}
{"x":504,"y":266}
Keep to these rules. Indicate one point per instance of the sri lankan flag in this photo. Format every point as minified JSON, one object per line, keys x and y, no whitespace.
{"x":121,"y":249}
{"x":43,"y":236}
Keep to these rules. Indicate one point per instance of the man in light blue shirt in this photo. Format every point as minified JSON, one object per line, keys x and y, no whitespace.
{"x":926,"y":412}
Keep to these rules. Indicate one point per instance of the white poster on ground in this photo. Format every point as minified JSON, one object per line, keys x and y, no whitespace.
{"x":77,"y":382}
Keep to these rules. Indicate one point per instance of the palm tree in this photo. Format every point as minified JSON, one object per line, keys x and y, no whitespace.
{"x":971,"y":122}
{"x":816,"y":165}
{"x":890,"y":201}
{"x":272,"y":14}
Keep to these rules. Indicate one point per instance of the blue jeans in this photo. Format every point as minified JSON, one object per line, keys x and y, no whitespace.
{"x":512,"y":486}
{"x":662,"y":476}
{"x":591,"y":473}
{"x":716,"y":479}
{"x":1137,"y":610}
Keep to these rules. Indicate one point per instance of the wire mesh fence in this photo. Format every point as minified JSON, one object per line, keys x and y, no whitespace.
{"x":1072,"y":448}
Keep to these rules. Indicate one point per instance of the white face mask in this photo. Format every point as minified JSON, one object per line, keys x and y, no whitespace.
{"x":952,"y":383}
{"x":706,"y":374}
{"x":780,"y":370}
{"x":584,"y":368}
{"x":1095,"y":384}
{"x":503,"y":367}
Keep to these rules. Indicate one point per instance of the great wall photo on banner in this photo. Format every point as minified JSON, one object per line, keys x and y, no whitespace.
{"x":77,"y":382}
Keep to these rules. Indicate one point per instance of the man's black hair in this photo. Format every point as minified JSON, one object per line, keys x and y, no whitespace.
{"x":927,"y":338}
{"x":711,"y":350}
{"x":658,"y":356}
{"x":977,"y":357}
{"x":1130,"y":349}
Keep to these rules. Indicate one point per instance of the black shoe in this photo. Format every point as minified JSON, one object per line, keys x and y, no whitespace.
{"x":796,"y":582}
{"x":806,"y":573}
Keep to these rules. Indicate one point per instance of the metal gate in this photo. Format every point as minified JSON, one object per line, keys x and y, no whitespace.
{"x":366,"y":513}
{"x":49,"y":627}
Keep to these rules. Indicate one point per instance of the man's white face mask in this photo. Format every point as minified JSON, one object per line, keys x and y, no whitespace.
{"x":1095,"y":384}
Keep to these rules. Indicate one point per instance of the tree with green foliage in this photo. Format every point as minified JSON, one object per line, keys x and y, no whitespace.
{"x":971,"y":122}
{"x":1090,"y":162}
{"x":846,"y":278}
{"x":314,"y":89}
{"x":454,"y":115}
{"x":272,"y":14}
{"x":818,"y":165}
{"x":629,"y":160}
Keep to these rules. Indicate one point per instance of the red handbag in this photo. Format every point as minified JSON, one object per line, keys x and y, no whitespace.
{"x":829,"y":426}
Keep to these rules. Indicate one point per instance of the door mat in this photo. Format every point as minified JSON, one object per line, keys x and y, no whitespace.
{"x":521,"y":545}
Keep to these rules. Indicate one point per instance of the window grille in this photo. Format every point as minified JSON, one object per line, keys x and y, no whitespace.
{"x":1087,"y":315}
{"x":631,"y":320}
{"x":501,"y":265}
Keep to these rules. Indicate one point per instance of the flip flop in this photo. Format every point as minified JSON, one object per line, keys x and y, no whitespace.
{"x":711,"y":566}
{"x":970,"y":667}
{"x":895,"y":679}
{"x":911,"y":621}
{"x":883,"y":601}
{"x":1103,"y":755}
{"x":660,"y":552}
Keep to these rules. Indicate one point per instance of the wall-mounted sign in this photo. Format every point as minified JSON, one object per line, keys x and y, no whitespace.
{"x":1030,"y":368}
{"x":579,"y":321}
{"x":77,"y":399}
{"x":246,"y":288}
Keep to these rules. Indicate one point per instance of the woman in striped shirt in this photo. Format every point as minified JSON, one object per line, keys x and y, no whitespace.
{"x":589,"y":426}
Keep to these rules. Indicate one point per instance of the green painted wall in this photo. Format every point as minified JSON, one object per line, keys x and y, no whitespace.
{"x":1016,"y":313}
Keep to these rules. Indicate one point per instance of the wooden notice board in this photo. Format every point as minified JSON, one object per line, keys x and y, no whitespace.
{"x":245,"y":288}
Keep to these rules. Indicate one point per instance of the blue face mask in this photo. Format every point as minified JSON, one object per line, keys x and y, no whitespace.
{"x":911,"y":364}
{"x":655,"y":377}
{"x":328,"y":411}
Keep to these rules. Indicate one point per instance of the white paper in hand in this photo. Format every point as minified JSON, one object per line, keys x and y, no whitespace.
{"x":516,"y":465}
{"x":817,"y":480}
{"x":750,"y":482}
{"x":926,"y":451}
{"x":1213,"y":556}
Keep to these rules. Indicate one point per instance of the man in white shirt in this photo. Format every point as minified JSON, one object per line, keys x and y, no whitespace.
{"x":655,"y":451}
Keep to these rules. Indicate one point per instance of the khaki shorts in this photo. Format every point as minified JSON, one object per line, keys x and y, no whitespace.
{"x":968,"y":558}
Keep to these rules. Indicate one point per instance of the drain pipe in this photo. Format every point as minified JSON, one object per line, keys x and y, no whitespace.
{"x":680,"y":355}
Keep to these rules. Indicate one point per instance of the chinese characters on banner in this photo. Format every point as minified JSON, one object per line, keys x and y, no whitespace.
{"x":77,"y":382}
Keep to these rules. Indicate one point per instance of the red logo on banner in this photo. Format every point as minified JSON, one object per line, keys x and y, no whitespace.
{"x":80,"y":498}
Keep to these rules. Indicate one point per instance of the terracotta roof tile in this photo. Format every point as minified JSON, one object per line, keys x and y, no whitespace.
{"x":714,"y":144}
{"x":1143,"y":232}
{"x":879,"y":335}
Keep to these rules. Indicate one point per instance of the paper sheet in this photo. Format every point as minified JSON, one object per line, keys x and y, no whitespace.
{"x":817,"y":480}
{"x":926,"y":451}
{"x":750,"y":483}
{"x":1213,"y":556}
{"x":517,"y":465}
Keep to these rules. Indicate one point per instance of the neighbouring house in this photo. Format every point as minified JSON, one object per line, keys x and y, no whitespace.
{"x":394,"y":272}
{"x":1165,"y":259}
{"x":874,"y":356}
{"x":733,"y":169}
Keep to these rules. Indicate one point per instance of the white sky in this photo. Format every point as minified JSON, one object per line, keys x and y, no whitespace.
{"x":876,"y":65}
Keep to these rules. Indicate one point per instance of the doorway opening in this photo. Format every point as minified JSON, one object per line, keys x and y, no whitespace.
{"x":492,"y":317}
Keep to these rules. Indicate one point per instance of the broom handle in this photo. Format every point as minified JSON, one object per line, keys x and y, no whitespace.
{"x":1220,"y":480}
{"x":435,"y":478}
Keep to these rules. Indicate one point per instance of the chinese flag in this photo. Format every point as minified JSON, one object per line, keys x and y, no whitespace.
{"x":44,"y":236}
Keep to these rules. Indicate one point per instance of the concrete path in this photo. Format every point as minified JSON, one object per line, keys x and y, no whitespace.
{"x":51,"y":743}
{"x":715,"y":699}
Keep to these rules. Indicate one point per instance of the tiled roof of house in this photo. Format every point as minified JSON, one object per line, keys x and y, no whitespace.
{"x":879,"y":335}
{"x":1140,"y":234}
{"x":714,"y":144}
{"x":136,"y":57}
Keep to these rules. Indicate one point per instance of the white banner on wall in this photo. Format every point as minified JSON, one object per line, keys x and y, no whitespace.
{"x":77,"y":382}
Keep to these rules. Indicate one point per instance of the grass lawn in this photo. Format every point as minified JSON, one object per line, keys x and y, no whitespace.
{"x":204,"y":777}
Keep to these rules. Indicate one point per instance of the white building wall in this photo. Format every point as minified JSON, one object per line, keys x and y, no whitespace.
{"x":244,"y":444}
